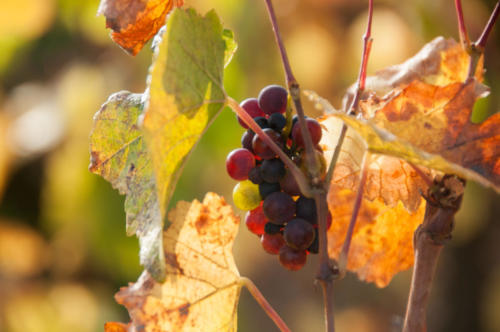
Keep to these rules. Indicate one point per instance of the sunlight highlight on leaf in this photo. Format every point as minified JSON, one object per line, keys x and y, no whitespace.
{"x":202,"y":286}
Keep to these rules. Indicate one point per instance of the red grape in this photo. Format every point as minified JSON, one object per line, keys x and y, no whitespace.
{"x":256,"y":220}
{"x":273,"y":99}
{"x":272,"y":243}
{"x":292,"y":259}
{"x":314,"y":129}
{"x":239,"y":162}
{"x":261,"y":149}
{"x":251,"y":105}
{"x":279,"y":207}
{"x":298,"y":234}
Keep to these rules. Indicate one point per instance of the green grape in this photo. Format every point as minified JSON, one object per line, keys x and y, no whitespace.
{"x":246,"y":195}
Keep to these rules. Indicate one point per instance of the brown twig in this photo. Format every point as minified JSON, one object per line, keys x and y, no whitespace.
{"x":344,"y":253}
{"x":462,"y":30}
{"x":443,"y":201}
{"x":313,"y":166}
{"x":360,"y":87}
{"x":257,"y":295}
{"x":481,"y":41}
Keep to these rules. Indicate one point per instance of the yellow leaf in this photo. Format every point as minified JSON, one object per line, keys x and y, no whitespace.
{"x":202,"y":286}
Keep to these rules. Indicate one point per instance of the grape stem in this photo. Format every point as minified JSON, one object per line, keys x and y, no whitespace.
{"x":261,"y":300}
{"x":481,"y":41}
{"x":313,"y":165}
{"x":344,"y":253}
{"x":360,"y":87}
{"x":249,"y":121}
{"x":462,"y":30}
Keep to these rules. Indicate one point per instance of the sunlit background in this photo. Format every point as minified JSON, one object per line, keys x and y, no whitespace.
{"x":63,"y":249}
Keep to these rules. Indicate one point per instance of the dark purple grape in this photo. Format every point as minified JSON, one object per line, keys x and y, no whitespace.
{"x":266,"y":188}
{"x":292,"y":259}
{"x":273,"y":99}
{"x":246,"y":140}
{"x":298,"y":234}
{"x":289,"y":185}
{"x":271,"y":228}
{"x":272,"y":170}
{"x":277,"y":121}
{"x":251,"y":105}
{"x":254,"y":175}
{"x":314,"y":129}
{"x":306,"y":209}
{"x":239,"y":162}
{"x":256,"y":220}
{"x":314,"y":247}
{"x":279,"y":207}
{"x":261,"y":149}
{"x":262,"y":122}
{"x":272,"y":243}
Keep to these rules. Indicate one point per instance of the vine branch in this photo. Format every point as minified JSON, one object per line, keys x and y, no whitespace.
{"x":257,"y":295}
{"x":443,"y":201}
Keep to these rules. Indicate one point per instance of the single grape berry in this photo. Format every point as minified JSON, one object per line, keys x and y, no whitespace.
{"x":246,"y":195}
{"x":298,"y":234}
{"x":272,"y":170}
{"x":292,"y":259}
{"x":279,"y":207}
{"x":314,"y":247}
{"x":254,"y":175}
{"x":261,"y":149}
{"x":306,"y":209}
{"x":256,"y":220}
{"x":272,"y":99}
{"x":272,"y":243}
{"x":251,"y":105}
{"x":239,"y":162}
{"x":246,"y":140}
{"x":314,"y":129}
{"x":262,"y":122}
{"x":277,"y":121}
{"x":266,"y":188}
{"x":289,"y":185}
{"x":271,"y":228}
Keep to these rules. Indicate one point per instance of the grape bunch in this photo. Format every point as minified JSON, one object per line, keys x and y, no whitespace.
{"x":283,"y":218}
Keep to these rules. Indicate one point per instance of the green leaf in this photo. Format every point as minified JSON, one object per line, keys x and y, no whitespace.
{"x":140,"y":143}
{"x":383,"y":142}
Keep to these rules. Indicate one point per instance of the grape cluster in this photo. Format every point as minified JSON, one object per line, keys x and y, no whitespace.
{"x":285,"y":220}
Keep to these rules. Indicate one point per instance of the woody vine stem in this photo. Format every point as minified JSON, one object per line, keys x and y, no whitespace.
{"x":443,"y":197}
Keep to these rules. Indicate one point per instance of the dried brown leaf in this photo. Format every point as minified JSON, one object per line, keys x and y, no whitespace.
{"x":135,"y":22}
{"x":202,"y":285}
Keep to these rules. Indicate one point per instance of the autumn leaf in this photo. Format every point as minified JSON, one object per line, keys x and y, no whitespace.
{"x":135,"y":22}
{"x":184,"y":95}
{"x":119,"y":154}
{"x":202,"y":285}
{"x":185,"y":92}
{"x":418,"y":112}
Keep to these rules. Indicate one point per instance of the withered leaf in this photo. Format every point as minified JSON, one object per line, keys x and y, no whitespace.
{"x":135,"y":22}
{"x":382,"y":241}
{"x":202,"y":287}
{"x":425,"y":119}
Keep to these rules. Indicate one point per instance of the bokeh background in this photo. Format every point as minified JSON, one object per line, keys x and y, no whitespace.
{"x":63,"y":249}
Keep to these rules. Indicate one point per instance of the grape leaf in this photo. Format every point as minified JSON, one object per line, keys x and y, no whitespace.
{"x":184,"y":95}
{"x":382,"y":241}
{"x":202,"y":283}
{"x":423,"y":118}
{"x":185,"y":91}
{"x":135,"y":22}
